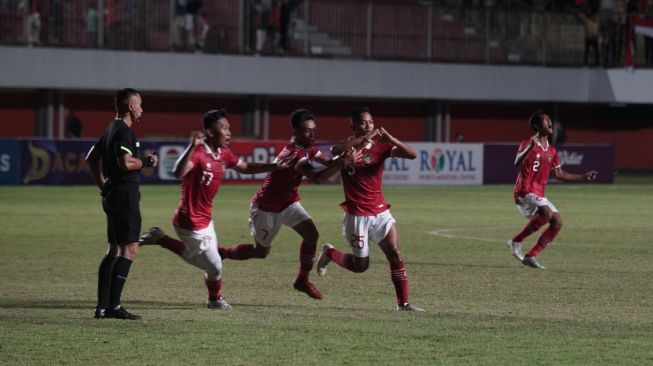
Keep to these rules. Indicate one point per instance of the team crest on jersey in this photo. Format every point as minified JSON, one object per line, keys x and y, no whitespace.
{"x":550,"y":158}
{"x":367,"y":159}
{"x":208,"y":165}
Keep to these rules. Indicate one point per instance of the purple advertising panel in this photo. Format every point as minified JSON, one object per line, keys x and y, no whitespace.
{"x":54,"y":162}
{"x":63,"y":161}
{"x":499,"y":161}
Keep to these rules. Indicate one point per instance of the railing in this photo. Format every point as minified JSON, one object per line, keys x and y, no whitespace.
{"x":413,"y":30}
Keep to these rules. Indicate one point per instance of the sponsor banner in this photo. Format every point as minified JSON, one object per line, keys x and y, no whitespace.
{"x":249,"y":151}
{"x":499,"y":161}
{"x":54,"y":162}
{"x":437,"y":163}
{"x":9,"y":162}
{"x":63,"y":161}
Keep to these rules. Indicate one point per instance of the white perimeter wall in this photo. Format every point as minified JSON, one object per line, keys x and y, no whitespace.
{"x":73,"y":69}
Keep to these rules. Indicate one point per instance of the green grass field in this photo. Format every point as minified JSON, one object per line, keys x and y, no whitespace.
{"x":592,"y":305}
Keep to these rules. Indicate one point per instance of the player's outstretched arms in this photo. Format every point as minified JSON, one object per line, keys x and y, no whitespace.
{"x":244,"y":167}
{"x":342,"y":146}
{"x":183,"y":165}
{"x":571,"y":177}
{"x":401,"y":150}
{"x":334,"y":165}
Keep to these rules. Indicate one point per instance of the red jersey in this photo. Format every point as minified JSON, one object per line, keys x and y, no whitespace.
{"x":280,"y":188}
{"x":200,"y":185}
{"x":362,"y":182}
{"x":535,"y":169}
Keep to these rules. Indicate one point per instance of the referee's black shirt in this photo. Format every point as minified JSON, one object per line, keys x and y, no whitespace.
{"x":117,"y":141}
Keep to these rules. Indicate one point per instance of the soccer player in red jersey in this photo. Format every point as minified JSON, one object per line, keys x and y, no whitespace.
{"x":201,"y":167}
{"x":535,"y":159}
{"x":277,"y":201}
{"x":367,"y":215}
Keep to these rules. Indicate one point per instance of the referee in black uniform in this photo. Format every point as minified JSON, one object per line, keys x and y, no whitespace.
{"x":115,"y":165}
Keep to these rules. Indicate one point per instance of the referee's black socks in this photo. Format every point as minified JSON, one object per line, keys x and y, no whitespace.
{"x":119,"y":277}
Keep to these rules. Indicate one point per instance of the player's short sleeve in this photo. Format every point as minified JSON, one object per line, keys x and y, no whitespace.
{"x":122,"y":143}
{"x":99,"y":145}
{"x":196,"y":155}
{"x":524,"y":144}
{"x":230,"y":159}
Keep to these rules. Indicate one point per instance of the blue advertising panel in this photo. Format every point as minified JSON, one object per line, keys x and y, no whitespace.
{"x":9,"y":162}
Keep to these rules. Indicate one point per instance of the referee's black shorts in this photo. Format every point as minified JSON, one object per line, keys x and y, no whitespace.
{"x":121,"y":204}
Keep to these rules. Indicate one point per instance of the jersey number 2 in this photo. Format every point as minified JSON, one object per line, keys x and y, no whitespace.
{"x":536,"y":165}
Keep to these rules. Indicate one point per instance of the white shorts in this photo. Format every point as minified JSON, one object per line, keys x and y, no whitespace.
{"x":202,"y":250}
{"x":529,"y":204}
{"x":264,"y":225}
{"x":359,"y":230}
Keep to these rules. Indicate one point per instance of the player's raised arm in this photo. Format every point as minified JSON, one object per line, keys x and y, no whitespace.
{"x":353,"y":141}
{"x":183,"y":165}
{"x":244,"y":167}
{"x":521,"y":155}
{"x":351,"y":156}
{"x":572,"y":177}
{"x":401,"y":150}
{"x":94,"y":161}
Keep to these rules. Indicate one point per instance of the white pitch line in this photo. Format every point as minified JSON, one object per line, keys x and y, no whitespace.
{"x":443,"y":233}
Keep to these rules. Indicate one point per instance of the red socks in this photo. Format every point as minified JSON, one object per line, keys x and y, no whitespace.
{"x":306,"y":258}
{"x":172,"y":245}
{"x":237,"y":252}
{"x":545,"y":239}
{"x":534,"y":224}
{"x":213,"y":287}
{"x":344,"y":260}
{"x":400,"y":280}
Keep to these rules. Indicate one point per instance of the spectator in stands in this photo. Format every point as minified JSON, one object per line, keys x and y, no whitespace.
{"x":202,"y":26}
{"x":91,"y":26}
{"x":136,"y":21}
{"x":32,"y":21}
{"x":460,"y":137}
{"x":614,"y":34}
{"x":287,"y":8}
{"x":592,"y":35}
{"x":194,"y":26}
{"x":74,"y":126}
{"x":260,"y":20}
{"x":274,"y":28}
{"x":110,"y":23}
{"x":648,"y":41}
{"x":55,"y":21}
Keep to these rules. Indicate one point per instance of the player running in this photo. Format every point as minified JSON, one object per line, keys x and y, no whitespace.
{"x":367,"y":215}
{"x":535,"y":158}
{"x":277,"y":201}
{"x":201,"y":167}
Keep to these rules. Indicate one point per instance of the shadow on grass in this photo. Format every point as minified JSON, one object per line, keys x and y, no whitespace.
{"x":82,"y":304}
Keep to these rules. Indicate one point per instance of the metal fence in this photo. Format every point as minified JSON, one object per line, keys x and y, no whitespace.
{"x":429,"y":31}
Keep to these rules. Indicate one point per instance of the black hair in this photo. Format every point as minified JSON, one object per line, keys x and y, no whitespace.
{"x":121,"y":99}
{"x":355,"y":115}
{"x":300,"y":116}
{"x":535,"y":119}
{"x":213,"y":116}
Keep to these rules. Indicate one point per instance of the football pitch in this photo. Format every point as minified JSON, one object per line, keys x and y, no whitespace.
{"x":592,"y":305}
